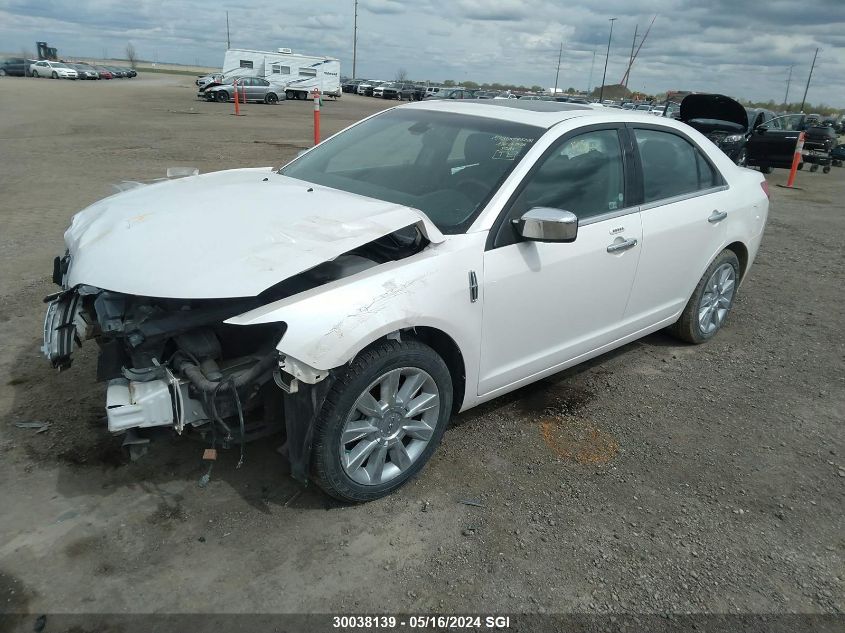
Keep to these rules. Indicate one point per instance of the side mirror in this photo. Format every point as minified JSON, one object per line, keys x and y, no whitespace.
{"x":761,"y":129}
{"x":545,"y":224}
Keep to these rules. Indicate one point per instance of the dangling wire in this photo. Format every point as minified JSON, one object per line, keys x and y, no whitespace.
{"x":240,"y":418}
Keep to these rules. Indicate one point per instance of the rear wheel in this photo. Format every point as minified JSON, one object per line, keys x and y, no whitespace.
{"x":271,"y":98}
{"x":765,"y":169}
{"x":814,"y":167}
{"x":826,"y":169}
{"x":382,"y":420}
{"x":221,"y":96}
{"x":289,"y":94}
{"x":711,"y":302}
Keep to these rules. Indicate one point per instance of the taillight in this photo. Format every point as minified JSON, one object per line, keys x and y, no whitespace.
{"x":765,"y":185}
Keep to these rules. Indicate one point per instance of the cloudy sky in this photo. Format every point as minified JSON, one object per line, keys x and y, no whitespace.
{"x":740,"y":47}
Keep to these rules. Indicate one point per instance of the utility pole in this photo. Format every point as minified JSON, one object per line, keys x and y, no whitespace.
{"x":786,"y":96}
{"x":590,"y":81}
{"x":606,"y":58}
{"x":631,"y":58}
{"x":557,"y":73}
{"x":228,"y":42}
{"x":810,"y":76}
{"x":355,"y":40}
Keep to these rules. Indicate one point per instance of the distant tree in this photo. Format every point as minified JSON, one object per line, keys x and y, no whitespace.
{"x":536,"y":88}
{"x":401,"y":75}
{"x":130,"y":54}
{"x":471,"y":85}
{"x":449,"y":83}
{"x":571,"y":90}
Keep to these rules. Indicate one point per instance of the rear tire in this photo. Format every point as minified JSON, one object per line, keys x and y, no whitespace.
{"x":826,"y":169}
{"x":711,"y":301}
{"x":388,"y":455}
{"x":765,"y":169}
{"x":814,"y":168}
{"x":289,"y":94}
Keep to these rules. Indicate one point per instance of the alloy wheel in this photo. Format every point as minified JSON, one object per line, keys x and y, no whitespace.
{"x":716,"y":299}
{"x":389,"y":426}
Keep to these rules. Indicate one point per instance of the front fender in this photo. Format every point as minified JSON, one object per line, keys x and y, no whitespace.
{"x":327,"y":326}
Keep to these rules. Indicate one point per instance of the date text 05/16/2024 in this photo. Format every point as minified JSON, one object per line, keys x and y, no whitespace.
{"x":421,"y":622}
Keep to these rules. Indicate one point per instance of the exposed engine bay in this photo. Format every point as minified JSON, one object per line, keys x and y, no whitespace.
{"x":175,"y":363}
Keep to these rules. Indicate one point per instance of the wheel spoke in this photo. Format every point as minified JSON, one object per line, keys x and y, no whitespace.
{"x":389,"y":387}
{"x":375,"y":467}
{"x":369,"y":406}
{"x":357,"y":455}
{"x":418,"y":430}
{"x":411,"y":387}
{"x":357,"y":430}
{"x":423,"y":402}
{"x":399,"y":456}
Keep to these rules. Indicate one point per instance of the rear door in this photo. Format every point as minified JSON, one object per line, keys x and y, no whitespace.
{"x":686,"y":204}
{"x":773,"y":144}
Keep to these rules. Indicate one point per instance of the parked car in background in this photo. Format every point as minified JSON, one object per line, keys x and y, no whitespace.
{"x":721,"y":119}
{"x":249,"y":89}
{"x":400,"y":91}
{"x":84,"y":71}
{"x":104,"y":72}
{"x":118,"y":73}
{"x":53,"y":70}
{"x":351,"y":85}
{"x":390,"y":221}
{"x":772,"y":144}
{"x":431,"y":90}
{"x":453,"y":93}
{"x":14,"y":67}
{"x":205,"y":80}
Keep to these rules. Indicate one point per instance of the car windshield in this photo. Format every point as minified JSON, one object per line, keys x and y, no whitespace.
{"x":58,"y":65}
{"x":444,"y":164}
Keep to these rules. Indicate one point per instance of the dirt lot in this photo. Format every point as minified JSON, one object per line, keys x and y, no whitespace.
{"x":658,"y":478}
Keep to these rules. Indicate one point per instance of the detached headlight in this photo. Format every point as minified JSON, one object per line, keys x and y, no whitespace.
{"x":733,"y":138}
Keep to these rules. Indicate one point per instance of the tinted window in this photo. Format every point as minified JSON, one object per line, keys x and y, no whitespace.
{"x":245,"y":63}
{"x":307,"y":72}
{"x":447,"y":165}
{"x":672,"y":166}
{"x":583,"y":175}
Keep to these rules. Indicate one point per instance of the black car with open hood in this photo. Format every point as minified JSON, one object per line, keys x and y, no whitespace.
{"x":721,"y":119}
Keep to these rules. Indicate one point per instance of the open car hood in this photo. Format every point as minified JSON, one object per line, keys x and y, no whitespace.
{"x":709,"y":113}
{"x":223,"y":234}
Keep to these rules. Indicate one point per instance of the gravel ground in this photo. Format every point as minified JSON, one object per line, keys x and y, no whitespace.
{"x":660,"y":478}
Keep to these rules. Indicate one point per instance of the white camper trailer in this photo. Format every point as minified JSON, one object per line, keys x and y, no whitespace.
{"x":298,"y":73}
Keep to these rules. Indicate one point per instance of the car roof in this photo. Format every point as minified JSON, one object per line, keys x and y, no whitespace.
{"x":545,"y":114}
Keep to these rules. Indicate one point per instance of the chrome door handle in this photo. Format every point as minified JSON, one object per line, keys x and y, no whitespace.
{"x":622,"y":246}
{"x":717,"y":216}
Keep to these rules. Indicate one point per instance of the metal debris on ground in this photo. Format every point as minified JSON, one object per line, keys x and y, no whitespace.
{"x":38,"y":425}
{"x":472,"y":502}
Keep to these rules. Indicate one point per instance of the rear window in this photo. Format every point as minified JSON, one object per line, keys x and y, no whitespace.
{"x":672,"y":166}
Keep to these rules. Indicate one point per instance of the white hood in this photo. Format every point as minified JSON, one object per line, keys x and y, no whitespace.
{"x":223,"y":234}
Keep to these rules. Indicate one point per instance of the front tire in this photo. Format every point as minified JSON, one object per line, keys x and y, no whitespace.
{"x":35,"y":74}
{"x":271,"y":98}
{"x":221,"y":96}
{"x":711,"y":302}
{"x":55,"y":75}
{"x":381,"y":421}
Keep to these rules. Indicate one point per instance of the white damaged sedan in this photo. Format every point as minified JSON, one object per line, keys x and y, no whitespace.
{"x":422,"y":261}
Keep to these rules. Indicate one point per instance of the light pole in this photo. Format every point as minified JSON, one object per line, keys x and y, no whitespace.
{"x":786,"y":96}
{"x":557,"y":73}
{"x":606,"y":58}
{"x":355,"y":40}
{"x":809,"y":77}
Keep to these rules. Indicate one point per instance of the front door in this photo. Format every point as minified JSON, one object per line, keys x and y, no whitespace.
{"x":773,"y":144}
{"x":548,"y":303}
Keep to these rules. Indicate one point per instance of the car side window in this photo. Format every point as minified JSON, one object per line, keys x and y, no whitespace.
{"x":672,"y":166}
{"x":584,"y":175}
